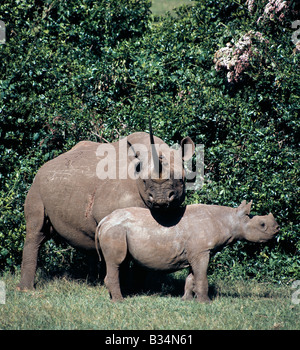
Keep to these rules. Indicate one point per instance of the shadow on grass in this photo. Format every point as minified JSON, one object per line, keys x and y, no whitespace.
{"x":135,"y":280}
{"x":138,"y":281}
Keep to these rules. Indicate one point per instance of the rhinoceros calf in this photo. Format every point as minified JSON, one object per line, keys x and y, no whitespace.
{"x":181,"y":239}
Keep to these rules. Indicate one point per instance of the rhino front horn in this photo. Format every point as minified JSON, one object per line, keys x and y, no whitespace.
{"x":154,"y":154}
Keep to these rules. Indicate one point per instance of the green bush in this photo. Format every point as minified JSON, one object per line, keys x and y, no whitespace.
{"x":96,"y":69}
{"x":55,"y":70}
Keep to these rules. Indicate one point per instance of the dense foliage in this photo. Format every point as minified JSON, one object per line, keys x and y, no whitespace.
{"x":224,"y":72}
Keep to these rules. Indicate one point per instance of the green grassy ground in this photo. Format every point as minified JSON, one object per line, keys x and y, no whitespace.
{"x":73,"y":304}
{"x":160,"y":7}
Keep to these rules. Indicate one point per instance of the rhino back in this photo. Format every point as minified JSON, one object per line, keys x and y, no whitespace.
{"x":162,"y":242}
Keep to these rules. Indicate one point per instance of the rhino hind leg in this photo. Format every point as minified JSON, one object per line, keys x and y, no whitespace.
{"x":188,"y":288}
{"x":36,"y":235}
{"x":93,"y":270}
{"x":112,"y":282}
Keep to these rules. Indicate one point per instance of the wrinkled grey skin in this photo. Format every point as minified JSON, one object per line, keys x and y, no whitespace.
{"x":183,"y":239}
{"x":69,"y":199}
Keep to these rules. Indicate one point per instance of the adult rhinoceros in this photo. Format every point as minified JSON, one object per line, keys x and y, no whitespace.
{"x":73,"y":192}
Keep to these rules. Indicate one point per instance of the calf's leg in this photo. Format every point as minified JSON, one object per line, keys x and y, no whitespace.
{"x":112,"y":281}
{"x":114,"y":249}
{"x":199,"y":267}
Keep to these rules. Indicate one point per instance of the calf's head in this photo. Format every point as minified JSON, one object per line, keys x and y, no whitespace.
{"x":256,"y":228}
{"x":159,"y":173}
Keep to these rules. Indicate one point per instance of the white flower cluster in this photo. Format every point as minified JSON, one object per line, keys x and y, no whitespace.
{"x":250,"y":4}
{"x":235,"y":57}
{"x":272,"y":8}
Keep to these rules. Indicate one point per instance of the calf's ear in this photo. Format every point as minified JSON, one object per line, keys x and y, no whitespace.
{"x":244,"y":208}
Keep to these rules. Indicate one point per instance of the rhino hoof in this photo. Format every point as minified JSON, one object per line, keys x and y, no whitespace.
{"x":203,"y":300}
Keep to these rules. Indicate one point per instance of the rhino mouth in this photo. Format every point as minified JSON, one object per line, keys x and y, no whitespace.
{"x":171,"y":201}
{"x":159,"y":206}
{"x":162,"y":202}
{"x":271,"y":236}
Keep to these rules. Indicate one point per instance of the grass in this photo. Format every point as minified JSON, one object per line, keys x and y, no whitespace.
{"x":64,"y":303}
{"x":160,"y":7}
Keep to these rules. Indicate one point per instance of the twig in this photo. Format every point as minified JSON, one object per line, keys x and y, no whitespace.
{"x":100,"y":137}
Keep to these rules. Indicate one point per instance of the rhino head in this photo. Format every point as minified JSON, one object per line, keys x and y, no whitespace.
{"x":256,"y":228}
{"x":159,"y":172}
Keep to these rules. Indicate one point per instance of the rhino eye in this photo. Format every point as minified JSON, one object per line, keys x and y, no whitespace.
{"x":262,"y":224}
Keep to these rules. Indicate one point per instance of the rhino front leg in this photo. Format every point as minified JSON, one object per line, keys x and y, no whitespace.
{"x":199,"y":267}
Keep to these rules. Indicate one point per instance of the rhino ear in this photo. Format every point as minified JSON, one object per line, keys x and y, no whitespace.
{"x":187,"y":148}
{"x":244,"y":208}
